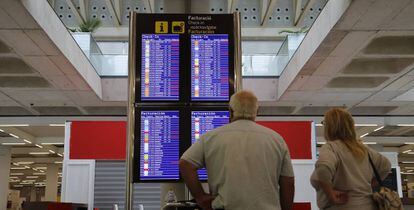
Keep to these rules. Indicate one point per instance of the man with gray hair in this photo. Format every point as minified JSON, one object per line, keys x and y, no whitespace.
{"x":248,"y":165}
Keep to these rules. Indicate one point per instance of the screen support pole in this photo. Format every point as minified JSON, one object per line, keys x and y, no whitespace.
{"x":237,"y":53}
{"x":129,"y":165}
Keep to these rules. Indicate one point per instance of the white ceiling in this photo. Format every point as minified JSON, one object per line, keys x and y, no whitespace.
{"x":342,"y":71}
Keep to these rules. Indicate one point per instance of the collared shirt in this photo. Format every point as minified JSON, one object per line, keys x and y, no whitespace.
{"x":244,"y":161}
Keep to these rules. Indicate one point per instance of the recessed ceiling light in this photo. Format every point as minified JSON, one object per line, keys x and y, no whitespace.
{"x":51,"y":151}
{"x":405,"y":125}
{"x":61,"y":155}
{"x":53,"y":143}
{"x":318,"y":124}
{"x":14,"y":135}
{"x":39,"y":173}
{"x":364,"y":135}
{"x":43,"y":167}
{"x":38,"y":153}
{"x":58,"y":162}
{"x":407,"y":162}
{"x":25,"y":163}
{"x":366,"y":124}
{"x":408,"y":142}
{"x":370,"y":142}
{"x":16,"y":174}
{"x":57,"y":125}
{"x":379,"y":128}
{"x":14,"y":125}
{"x":321,"y":142}
{"x":18,"y":168}
{"x":27,"y":141}
{"x":13,"y":143}
{"x":39,"y":146}
{"x":407,"y":151}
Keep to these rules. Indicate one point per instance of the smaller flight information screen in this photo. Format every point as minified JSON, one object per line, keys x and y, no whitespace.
{"x":160,"y":67}
{"x":159,"y":146}
{"x":204,"y":121}
{"x":210,"y":67}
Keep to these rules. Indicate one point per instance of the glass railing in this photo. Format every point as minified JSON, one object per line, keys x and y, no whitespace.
{"x":264,"y":65}
{"x":104,"y":64}
{"x":253,"y":65}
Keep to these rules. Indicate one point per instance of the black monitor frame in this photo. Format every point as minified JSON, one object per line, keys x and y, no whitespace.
{"x":145,"y":25}
{"x":137,"y":141}
{"x":188,"y":133}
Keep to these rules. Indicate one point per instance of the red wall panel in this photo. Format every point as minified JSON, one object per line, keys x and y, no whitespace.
{"x":105,"y":140}
{"x":99,"y":140}
{"x":302,"y":206}
{"x":297,"y":135}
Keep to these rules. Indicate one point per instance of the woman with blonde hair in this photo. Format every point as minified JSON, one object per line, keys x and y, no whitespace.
{"x":343,"y":174}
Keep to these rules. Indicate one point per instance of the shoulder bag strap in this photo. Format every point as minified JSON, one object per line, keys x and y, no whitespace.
{"x":377,"y":176}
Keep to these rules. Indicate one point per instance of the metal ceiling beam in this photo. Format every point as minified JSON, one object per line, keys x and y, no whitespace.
{"x":150,"y":5}
{"x":113,"y":13}
{"x":268,"y":12}
{"x":118,"y":8}
{"x":298,"y":9}
{"x":302,"y":14}
{"x":231,"y":5}
{"x":76,"y":13}
{"x":82,"y":9}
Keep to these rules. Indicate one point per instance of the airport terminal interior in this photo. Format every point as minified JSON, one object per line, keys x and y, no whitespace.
{"x":69,"y":104}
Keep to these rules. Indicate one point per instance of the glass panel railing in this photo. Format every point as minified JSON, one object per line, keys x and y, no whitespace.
{"x":271,"y":64}
{"x":104,"y":64}
{"x":112,"y":64}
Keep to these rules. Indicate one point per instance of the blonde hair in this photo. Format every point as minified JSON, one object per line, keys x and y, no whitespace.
{"x":244,"y":105}
{"x":339,"y":125}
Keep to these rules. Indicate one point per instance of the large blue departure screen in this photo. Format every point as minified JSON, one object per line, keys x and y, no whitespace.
{"x":160,"y":67}
{"x":159,"y":145}
{"x":210,"y":67}
{"x":204,"y":121}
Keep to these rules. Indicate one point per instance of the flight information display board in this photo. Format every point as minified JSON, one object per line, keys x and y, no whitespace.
{"x":210,"y":67}
{"x":160,"y":67}
{"x":159,"y":145}
{"x":204,"y":121}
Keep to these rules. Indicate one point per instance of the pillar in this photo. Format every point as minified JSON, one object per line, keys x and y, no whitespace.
{"x":5,"y":159}
{"x":51,"y":182}
{"x":33,"y":194}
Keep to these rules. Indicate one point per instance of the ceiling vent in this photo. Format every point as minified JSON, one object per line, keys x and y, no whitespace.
{"x":378,"y":66}
{"x":356,"y":82}
{"x":105,"y":111}
{"x":59,"y":111}
{"x":391,"y":45}
{"x":13,"y":111}
{"x":23,"y":82}
{"x":275,"y":110}
{"x":4,"y":48}
{"x":372,"y":110}
{"x":12,"y":65}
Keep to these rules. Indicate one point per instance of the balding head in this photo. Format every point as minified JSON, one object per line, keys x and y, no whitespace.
{"x":243,"y":105}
